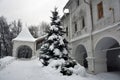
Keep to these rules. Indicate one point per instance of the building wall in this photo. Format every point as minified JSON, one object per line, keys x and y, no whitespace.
{"x":86,"y":43}
{"x":100,"y":57}
{"x":111,"y":11}
{"x":81,"y":36}
{"x":80,"y":13}
{"x":104,"y":27}
{"x":107,"y":27}
{"x":66,"y":25}
{"x":76,"y":15}
{"x":17,"y":44}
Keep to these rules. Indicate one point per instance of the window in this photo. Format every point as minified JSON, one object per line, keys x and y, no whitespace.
{"x":83,"y":23}
{"x":75,"y":24}
{"x":66,"y":31}
{"x":100,"y":10}
{"x":78,"y":2}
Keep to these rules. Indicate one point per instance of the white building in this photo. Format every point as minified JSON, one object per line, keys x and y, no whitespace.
{"x":93,"y":28}
{"x":24,"y":40}
{"x":25,"y":46}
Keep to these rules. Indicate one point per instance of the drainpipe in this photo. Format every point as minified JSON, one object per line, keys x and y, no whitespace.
{"x":91,"y":37}
{"x":0,"y":50}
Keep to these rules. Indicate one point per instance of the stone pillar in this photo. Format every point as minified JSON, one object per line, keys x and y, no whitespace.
{"x":14,"y":52}
{"x":100,"y":65}
{"x":91,"y":64}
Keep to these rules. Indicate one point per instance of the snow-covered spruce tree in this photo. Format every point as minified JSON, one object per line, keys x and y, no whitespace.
{"x":54,"y":51}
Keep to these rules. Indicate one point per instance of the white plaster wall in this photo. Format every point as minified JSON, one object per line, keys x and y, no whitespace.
{"x":100,"y":58}
{"x":17,"y":44}
{"x":111,"y":32}
{"x":86,"y":43}
{"x":66,"y":23}
{"x":108,"y":14}
{"x":96,"y":62}
{"x":101,"y":28}
{"x":81,"y":11}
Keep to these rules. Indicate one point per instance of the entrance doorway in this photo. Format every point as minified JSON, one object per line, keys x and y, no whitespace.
{"x":81,"y":55}
{"x":108,"y":52}
{"x":24,"y":52}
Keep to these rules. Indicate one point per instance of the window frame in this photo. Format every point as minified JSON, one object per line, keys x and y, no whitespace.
{"x":100,"y":10}
{"x":66,"y":31}
{"x":78,"y":2}
{"x":83,"y":23}
{"x":75,"y":26}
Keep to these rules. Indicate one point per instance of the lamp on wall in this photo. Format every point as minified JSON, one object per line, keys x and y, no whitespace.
{"x":66,"y":11}
{"x":118,"y":56}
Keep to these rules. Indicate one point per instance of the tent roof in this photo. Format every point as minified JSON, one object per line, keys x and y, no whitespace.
{"x":24,"y":35}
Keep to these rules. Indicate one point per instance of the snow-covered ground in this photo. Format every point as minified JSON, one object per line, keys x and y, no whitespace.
{"x":33,"y":70}
{"x":5,"y":61}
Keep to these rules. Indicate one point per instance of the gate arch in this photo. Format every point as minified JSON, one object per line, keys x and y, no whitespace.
{"x":107,"y":53}
{"x":24,"y":52}
{"x":81,"y":55}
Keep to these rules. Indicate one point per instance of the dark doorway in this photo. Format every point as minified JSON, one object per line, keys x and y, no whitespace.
{"x":81,"y":55}
{"x":24,"y":52}
{"x":113,"y":58}
{"x":108,"y":51}
{"x":85,"y":62}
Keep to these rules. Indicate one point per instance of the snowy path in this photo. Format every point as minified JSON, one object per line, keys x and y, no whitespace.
{"x":32,"y":70}
{"x":23,"y":70}
{"x":108,"y":76}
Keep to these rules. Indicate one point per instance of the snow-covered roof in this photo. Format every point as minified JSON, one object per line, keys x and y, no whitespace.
{"x":24,"y":35}
{"x":41,"y":37}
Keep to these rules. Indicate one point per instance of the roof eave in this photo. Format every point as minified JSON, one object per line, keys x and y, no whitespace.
{"x":67,"y":4}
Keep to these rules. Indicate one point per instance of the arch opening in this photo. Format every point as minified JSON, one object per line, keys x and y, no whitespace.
{"x":81,"y":55}
{"x":108,"y":51}
{"x":24,"y":52}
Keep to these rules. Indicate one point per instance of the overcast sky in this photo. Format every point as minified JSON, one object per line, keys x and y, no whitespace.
{"x":30,"y":11}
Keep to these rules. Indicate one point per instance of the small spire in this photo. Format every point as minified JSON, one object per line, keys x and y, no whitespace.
{"x":25,"y":35}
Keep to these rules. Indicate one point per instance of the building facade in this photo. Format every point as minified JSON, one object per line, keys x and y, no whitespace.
{"x":93,"y":28}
